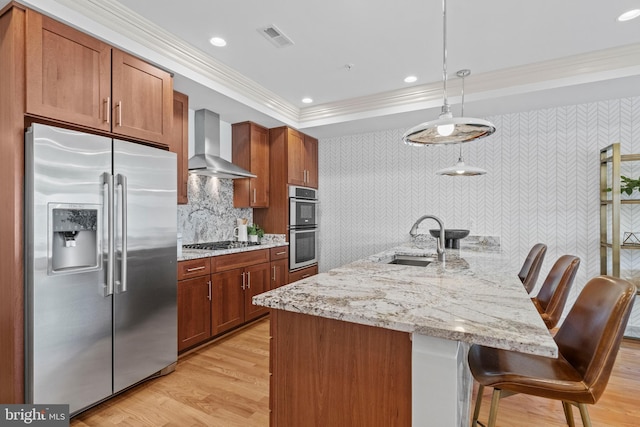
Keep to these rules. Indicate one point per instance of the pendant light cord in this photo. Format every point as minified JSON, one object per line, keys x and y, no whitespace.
{"x":444,"y":53}
{"x":463,"y":74}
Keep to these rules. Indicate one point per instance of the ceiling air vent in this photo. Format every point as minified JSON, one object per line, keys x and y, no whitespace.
{"x":275,"y":36}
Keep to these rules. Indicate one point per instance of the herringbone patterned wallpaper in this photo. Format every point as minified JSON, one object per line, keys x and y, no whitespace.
{"x":541,"y":186}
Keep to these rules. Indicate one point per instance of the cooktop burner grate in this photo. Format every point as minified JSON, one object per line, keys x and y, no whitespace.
{"x":215,"y":246}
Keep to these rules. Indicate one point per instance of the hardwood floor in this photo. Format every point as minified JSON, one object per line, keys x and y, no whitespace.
{"x":226,"y":384}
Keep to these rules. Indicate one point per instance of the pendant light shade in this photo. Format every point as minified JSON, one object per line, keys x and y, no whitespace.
{"x":460,"y":169}
{"x":447,"y":129}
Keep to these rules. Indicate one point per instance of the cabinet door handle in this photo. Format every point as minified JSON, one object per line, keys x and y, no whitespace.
{"x":274,"y":273}
{"x":189,"y":270}
{"x":107,"y":109}
{"x":243,"y":286}
{"x":248,"y":280}
{"x":254,"y":195}
{"x":209,"y":296}
{"x":119,"y":106}
{"x":304,"y":176}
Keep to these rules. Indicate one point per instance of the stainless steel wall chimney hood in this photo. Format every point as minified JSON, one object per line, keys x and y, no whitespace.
{"x":207,"y":160}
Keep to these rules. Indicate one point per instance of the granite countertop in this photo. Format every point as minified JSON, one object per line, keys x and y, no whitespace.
{"x":472,"y":297}
{"x":188,"y":254}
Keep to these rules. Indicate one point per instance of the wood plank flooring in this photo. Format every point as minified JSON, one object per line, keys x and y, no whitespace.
{"x":226,"y":384}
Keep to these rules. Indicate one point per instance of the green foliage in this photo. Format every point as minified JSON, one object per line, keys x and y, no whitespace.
{"x":627,"y":185}
{"x":255,"y":230}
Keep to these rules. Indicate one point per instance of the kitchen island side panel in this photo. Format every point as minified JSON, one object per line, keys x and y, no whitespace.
{"x":328,"y":372}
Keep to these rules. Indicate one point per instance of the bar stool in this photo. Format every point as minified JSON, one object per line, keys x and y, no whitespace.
{"x":588,"y":343}
{"x":531,"y":268}
{"x":552,"y":297}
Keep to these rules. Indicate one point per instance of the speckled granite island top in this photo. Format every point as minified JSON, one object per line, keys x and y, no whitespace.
{"x":472,"y":297}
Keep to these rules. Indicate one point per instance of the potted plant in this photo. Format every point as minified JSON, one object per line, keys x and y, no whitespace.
{"x":628,"y":185}
{"x":255,"y":232}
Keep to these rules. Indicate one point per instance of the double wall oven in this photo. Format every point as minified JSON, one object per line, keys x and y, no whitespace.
{"x":303,"y":227}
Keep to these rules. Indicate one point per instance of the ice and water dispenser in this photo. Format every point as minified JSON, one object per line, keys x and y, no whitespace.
{"x":74,"y":238}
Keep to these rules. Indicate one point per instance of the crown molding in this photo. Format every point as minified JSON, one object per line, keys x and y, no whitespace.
{"x":122,"y":20}
{"x":578,"y":69}
{"x":573,"y":70}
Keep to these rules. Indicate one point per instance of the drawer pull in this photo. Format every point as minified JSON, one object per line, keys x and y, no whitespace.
{"x":189,"y":270}
{"x":281,"y":253}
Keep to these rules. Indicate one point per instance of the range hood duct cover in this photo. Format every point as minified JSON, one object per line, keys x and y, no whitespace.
{"x":207,"y":160}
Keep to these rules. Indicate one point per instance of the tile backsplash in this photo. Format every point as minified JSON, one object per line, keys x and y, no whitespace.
{"x":209,"y":216}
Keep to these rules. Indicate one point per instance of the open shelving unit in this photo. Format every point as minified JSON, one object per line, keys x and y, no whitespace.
{"x":613,"y":164}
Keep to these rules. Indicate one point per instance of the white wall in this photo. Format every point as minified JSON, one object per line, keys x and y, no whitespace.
{"x":541,"y":186}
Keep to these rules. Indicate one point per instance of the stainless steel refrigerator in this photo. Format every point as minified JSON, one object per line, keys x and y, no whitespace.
{"x":100,"y":270}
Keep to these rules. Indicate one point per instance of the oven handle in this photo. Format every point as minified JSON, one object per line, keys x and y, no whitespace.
{"x":295,"y":200}
{"x":297,"y":230}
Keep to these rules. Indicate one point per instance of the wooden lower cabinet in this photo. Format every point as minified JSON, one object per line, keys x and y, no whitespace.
{"x":232,"y":293}
{"x":279,"y":273}
{"x":279,"y":269}
{"x":303,"y":273}
{"x":257,"y":282}
{"x":194,"y":315}
{"x":227,"y":303}
{"x":215,"y":294}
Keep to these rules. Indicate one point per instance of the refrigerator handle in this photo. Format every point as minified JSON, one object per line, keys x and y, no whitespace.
{"x":122,"y":182}
{"x":108,"y":181}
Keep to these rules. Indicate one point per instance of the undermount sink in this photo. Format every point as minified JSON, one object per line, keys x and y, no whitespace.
{"x":416,"y":261}
{"x":452,"y":236}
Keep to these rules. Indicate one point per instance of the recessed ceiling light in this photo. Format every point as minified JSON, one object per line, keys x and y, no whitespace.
{"x":307,"y":100}
{"x":218,"y":41}
{"x":629,"y":15}
{"x":410,"y":79}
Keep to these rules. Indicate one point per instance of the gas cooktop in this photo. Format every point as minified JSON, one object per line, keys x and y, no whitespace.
{"x":216,"y":246}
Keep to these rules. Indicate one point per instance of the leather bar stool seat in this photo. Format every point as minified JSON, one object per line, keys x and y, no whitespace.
{"x":588,"y":342}
{"x":552,"y":297}
{"x":531,"y":267}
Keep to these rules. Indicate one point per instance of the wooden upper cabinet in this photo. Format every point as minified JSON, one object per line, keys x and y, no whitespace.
{"x":311,"y":161}
{"x":295,"y":158}
{"x":302,"y":159}
{"x":74,"y":78}
{"x":250,"y":150}
{"x":142,"y":105}
{"x":179,"y":142}
{"x":68,"y":74}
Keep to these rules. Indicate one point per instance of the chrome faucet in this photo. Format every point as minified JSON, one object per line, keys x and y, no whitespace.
{"x":440,"y":240}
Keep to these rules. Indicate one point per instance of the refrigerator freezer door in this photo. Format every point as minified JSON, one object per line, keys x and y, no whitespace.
{"x":145,"y":313}
{"x":68,"y":316}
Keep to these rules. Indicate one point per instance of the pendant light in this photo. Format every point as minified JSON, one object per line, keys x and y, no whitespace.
{"x":460,"y":169}
{"x":447,"y":129}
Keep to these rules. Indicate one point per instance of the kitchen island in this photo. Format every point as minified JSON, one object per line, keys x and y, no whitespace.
{"x":379,"y":344}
